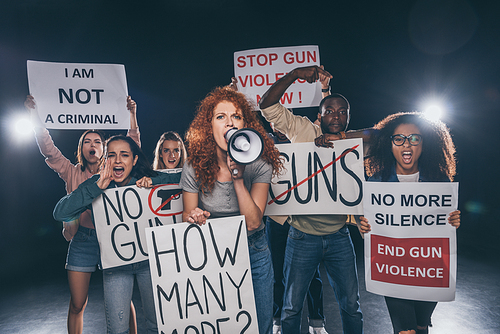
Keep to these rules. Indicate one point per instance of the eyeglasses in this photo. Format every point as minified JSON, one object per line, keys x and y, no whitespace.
{"x":413,"y":139}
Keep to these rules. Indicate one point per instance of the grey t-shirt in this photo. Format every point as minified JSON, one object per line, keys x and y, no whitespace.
{"x":222,"y":200}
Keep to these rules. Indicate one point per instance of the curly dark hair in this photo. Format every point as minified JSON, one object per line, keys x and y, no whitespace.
{"x":142,"y":167}
{"x":200,"y":142}
{"x":437,"y":160}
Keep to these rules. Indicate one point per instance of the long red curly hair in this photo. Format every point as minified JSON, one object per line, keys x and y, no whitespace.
{"x":201,"y":145}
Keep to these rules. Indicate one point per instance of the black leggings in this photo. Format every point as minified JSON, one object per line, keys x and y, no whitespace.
{"x":408,"y":314}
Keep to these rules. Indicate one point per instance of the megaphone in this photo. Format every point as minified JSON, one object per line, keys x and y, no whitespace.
{"x":244,"y":145}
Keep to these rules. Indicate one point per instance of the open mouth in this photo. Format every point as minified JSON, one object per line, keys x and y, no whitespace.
{"x":407,"y":157}
{"x":92,"y":152}
{"x":118,"y":172}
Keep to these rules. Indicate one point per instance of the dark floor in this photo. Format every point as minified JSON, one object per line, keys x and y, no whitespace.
{"x":41,"y":306}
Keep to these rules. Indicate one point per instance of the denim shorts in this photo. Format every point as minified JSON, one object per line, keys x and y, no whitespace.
{"x":83,"y":251}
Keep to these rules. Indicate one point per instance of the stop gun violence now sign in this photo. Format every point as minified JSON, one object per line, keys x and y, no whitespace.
{"x":410,"y":252}
{"x":257,"y":70}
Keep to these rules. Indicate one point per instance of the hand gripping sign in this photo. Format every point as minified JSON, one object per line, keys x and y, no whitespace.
{"x":201,"y":277}
{"x":410,"y":252}
{"x":122,"y":214}
{"x":256,"y":70}
{"x":79,"y":96}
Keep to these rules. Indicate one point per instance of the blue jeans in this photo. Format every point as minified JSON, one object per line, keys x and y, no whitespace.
{"x":304,"y":252}
{"x":262,"y":280}
{"x":277,"y":236}
{"x":118,"y":285}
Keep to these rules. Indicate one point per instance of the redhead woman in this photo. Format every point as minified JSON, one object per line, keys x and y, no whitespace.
{"x":169,"y":152}
{"x":215,"y":186}
{"x":410,"y":148}
{"x":125,"y":165}
{"x":83,"y":251}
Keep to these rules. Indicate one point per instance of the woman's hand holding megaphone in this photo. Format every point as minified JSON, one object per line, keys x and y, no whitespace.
{"x":236,"y":169}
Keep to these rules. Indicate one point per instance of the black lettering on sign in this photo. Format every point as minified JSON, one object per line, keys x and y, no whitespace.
{"x":196,"y":302}
{"x":309,"y":181}
{"x":139,"y":203}
{"x":238,"y":286}
{"x":158,"y":253}
{"x":332,"y":190}
{"x":197,"y":249}
{"x":82,"y":96}
{"x":249,"y":320}
{"x":354,"y":176}
{"x":161,"y":293}
{"x":288,"y":193}
{"x":220,"y":301}
{"x":227,"y":252}
{"x":113,"y":243}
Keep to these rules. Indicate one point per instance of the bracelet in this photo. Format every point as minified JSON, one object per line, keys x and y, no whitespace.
{"x":342,"y":134}
{"x":325,"y":90}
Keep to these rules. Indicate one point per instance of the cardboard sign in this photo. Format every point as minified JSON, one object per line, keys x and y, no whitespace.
{"x":319,"y":180}
{"x":411,"y":251}
{"x":79,"y":96}
{"x":256,"y":71}
{"x":201,"y":277}
{"x":122,"y":214}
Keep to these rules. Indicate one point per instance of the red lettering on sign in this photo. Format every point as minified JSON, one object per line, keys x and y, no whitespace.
{"x":287,"y":98}
{"x":241,"y":62}
{"x":411,"y":261}
{"x":260,"y":60}
{"x":300,"y":57}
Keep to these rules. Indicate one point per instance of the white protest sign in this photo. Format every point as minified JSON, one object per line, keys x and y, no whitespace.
{"x":122,"y":214}
{"x":201,"y":277}
{"x":256,"y":70}
{"x":411,"y":251}
{"x":319,"y":180}
{"x":79,"y":96}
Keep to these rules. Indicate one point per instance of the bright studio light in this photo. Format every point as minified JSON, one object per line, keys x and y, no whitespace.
{"x":22,"y":127}
{"x":433,"y":109}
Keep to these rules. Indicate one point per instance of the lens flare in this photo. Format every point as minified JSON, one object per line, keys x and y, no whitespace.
{"x":433,"y":112}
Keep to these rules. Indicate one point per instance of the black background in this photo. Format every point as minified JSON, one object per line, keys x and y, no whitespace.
{"x":386,"y":56}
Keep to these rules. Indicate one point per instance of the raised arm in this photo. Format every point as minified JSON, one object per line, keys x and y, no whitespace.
{"x":133,"y":132}
{"x":132,"y":108}
{"x":325,"y":84}
{"x":53,"y":156}
{"x":72,"y":205}
{"x":276,"y":91}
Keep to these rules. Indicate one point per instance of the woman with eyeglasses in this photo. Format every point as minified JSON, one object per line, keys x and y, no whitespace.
{"x":410,"y":148}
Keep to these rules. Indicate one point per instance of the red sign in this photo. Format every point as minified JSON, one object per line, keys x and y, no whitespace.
{"x":411,"y":261}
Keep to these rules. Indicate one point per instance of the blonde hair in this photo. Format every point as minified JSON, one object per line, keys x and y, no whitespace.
{"x":173,"y":136}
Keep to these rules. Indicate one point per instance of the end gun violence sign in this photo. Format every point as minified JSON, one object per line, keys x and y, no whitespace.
{"x":79,"y":96}
{"x":201,"y":277}
{"x":122,"y":214}
{"x":256,"y":70}
{"x":319,"y":180}
{"x":410,"y":252}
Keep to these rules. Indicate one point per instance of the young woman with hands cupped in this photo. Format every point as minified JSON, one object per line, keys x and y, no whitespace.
{"x":83,"y":250}
{"x":410,"y":148}
{"x":125,"y":164}
{"x":216,"y":186}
